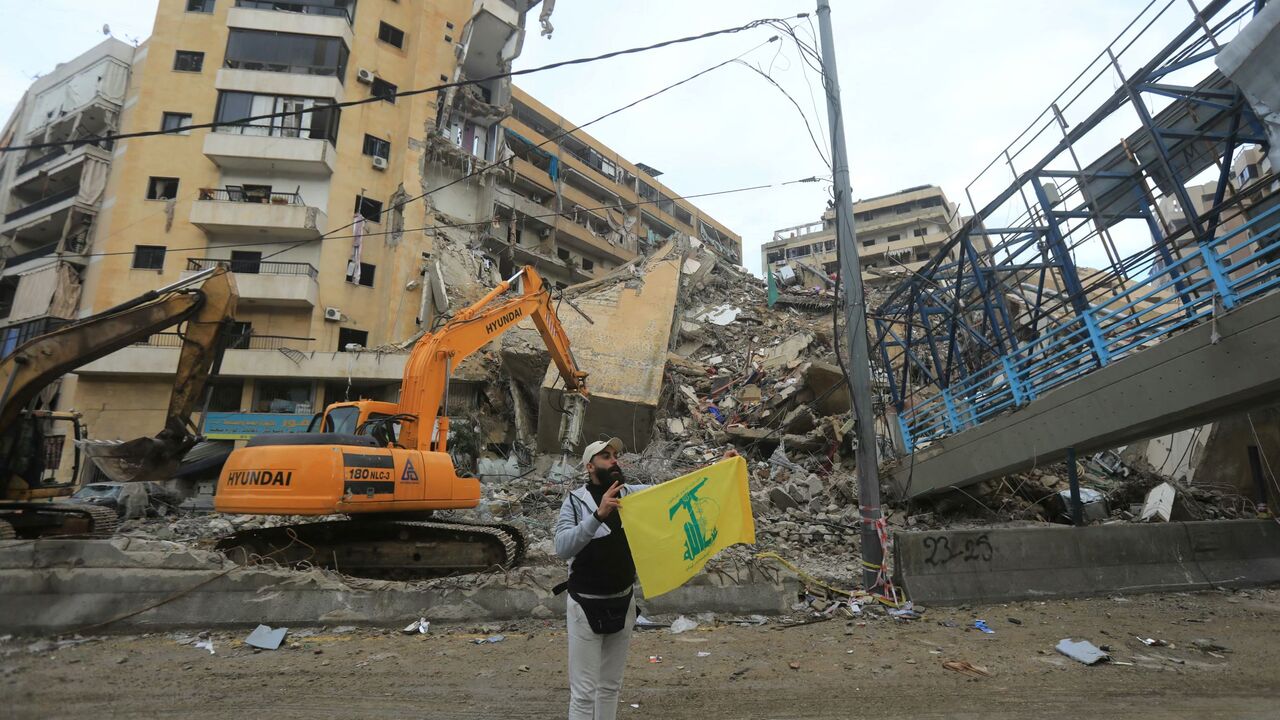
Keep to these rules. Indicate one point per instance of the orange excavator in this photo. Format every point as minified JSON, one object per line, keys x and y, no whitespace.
{"x":387,"y":466}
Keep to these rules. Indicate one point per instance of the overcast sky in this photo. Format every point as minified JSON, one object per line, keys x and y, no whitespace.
{"x":932,"y":90}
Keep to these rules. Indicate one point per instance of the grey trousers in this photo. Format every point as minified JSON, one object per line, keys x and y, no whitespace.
{"x":596,"y":663}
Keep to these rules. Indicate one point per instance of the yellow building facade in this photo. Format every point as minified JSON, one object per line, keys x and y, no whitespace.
{"x":276,"y":200}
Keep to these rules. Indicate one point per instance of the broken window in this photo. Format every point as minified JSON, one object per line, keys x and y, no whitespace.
{"x":368,"y":208}
{"x":224,"y":395}
{"x":306,"y":118}
{"x":188,"y":61}
{"x":8,"y":289}
{"x":366,"y":275}
{"x":930,"y":202}
{"x":148,"y":257}
{"x":587,"y":264}
{"x":377,"y":147}
{"x":390,"y":34}
{"x":383,"y":89}
{"x":351,"y":336}
{"x":562,"y":254}
{"x":162,"y":188}
{"x":920,"y":232}
{"x":200,"y":6}
{"x":895,"y":238}
{"x":868,"y":243}
{"x":865,"y":217}
{"x":773,"y":256}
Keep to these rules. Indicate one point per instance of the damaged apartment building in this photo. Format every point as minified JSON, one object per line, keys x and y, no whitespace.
{"x":339,"y":260}
{"x":897,"y":234}
{"x":560,"y":200}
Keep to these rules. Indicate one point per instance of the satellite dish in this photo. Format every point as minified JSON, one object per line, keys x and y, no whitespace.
{"x":106,"y":29}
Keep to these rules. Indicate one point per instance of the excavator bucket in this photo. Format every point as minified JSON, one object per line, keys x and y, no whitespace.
{"x":145,"y":459}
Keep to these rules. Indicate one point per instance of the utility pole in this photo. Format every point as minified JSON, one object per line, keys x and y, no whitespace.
{"x":859,"y":367}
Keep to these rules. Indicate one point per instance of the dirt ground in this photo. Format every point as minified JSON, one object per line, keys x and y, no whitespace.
{"x":873,"y":666}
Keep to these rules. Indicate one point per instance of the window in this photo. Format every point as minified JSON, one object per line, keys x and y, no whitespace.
{"x":868,"y":243}
{"x":587,"y":264}
{"x":224,"y":395}
{"x":282,"y":397}
{"x":303,"y":119}
{"x":390,"y":34}
{"x":238,"y":335}
{"x":383,"y":89}
{"x":865,"y":217}
{"x":368,"y":208}
{"x":448,"y":25}
{"x":188,"y":61}
{"x":920,"y":232}
{"x":162,"y":188}
{"x":286,"y":52}
{"x":366,"y":275}
{"x":246,"y":261}
{"x":902,"y":209}
{"x":173,"y":122}
{"x":8,"y":290}
{"x":377,"y":147}
{"x":895,"y":238}
{"x":448,"y":38}
{"x":201,"y":6}
{"x":563,"y":254}
{"x":148,"y":257}
{"x":349,"y":336}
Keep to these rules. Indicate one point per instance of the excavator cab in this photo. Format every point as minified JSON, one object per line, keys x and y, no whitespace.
{"x":373,"y":418}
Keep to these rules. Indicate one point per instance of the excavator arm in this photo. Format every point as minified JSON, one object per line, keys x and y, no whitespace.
{"x":205,"y":309}
{"x":434,"y":356}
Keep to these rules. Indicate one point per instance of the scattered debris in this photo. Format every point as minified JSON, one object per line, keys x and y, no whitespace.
{"x":1159,"y":503}
{"x":205,"y":645}
{"x":982,"y":625}
{"x":966,"y":668}
{"x":1082,"y":651}
{"x":420,"y":626}
{"x":266,"y":638}
{"x":489,"y":640}
{"x":1152,"y":642}
{"x":655,"y":659}
{"x":682,"y":624}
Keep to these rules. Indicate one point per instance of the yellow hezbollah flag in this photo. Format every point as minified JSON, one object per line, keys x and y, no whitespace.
{"x":675,"y":527}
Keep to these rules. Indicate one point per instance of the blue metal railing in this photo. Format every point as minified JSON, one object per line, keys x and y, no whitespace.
{"x":1141,"y":314}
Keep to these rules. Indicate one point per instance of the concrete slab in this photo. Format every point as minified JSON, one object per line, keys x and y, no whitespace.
{"x":69,"y":585}
{"x":1002,"y":564}
{"x":623,"y":347}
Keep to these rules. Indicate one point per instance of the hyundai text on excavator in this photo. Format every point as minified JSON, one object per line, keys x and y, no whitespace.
{"x":387,"y":466}
{"x":25,"y":489}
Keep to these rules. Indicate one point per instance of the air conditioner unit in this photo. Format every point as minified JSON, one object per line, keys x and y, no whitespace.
{"x":364,"y":76}
{"x":379,"y":163}
{"x":332,"y":313}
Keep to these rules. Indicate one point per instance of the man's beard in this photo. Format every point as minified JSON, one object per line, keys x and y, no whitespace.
{"x":610,"y":476}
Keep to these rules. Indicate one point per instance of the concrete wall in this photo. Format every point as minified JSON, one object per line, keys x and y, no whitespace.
{"x":624,"y":349}
{"x":1002,"y":564}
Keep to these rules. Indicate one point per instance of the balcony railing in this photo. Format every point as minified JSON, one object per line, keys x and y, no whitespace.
{"x":254,"y":266}
{"x":276,"y":129}
{"x":236,"y":341}
{"x":238,"y":194}
{"x":41,"y":204}
{"x":60,"y":151}
{"x":306,"y":8}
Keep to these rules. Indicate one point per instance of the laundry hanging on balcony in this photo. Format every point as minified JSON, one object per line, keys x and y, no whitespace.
{"x":357,"y":233}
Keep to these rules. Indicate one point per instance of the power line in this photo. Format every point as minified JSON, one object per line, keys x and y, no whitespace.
{"x":695,"y":196}
{"x":556,"y":137}
{"x":401,"y":93}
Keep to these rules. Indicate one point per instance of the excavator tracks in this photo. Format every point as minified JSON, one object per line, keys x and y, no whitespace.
{"x":383,"y":549}
{"x":43,"y":519}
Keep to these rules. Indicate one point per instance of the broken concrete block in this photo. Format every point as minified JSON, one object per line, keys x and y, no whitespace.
{"x":781,"y":499}
{"x":799,"y":491}
{"x":800,"y":420}
{"x":749,"y":394}
{"x":1159,"y":503}
{"x":786,"y":352}
{"x":820,"y":378}
{"x":722,"y":315}
{"x":675,"y":426}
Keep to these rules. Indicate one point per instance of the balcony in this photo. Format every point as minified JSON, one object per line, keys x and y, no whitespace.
{"x":302,"y":18}
{"x":269,"y":150}
{"x":233,"y":211}
{"x":270,"y":283}
{"x":253,"y":356}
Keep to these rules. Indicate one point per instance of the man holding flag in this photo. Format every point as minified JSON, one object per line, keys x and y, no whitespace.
{"x":678,"y":526}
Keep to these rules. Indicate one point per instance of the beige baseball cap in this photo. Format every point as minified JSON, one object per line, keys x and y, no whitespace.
{"x":600,"y":446}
